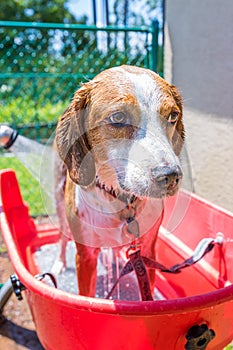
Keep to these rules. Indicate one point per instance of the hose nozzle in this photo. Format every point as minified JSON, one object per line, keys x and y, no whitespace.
{"x":7,"y":136}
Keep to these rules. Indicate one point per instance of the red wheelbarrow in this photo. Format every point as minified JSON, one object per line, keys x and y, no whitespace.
{"x":197,"y":312}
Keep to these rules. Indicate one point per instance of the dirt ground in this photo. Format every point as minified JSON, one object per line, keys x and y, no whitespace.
{"x":210,"y":147}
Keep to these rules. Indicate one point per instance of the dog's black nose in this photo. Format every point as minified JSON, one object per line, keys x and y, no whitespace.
{"x":166,"y":177}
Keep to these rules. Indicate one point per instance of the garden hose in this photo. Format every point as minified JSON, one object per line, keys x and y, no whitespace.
{"x":6,"y":289}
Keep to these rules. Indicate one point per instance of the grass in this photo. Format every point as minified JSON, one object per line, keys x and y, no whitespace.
{"x":3,"y":249}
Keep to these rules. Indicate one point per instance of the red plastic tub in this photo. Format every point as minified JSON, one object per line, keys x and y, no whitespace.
{"x":198,"y":298}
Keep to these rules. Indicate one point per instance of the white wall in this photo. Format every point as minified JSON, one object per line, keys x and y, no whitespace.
{"x":201,"y":52}
{"x":199,"y":61}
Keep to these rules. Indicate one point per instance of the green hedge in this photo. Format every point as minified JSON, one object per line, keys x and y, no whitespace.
{"x":21,"y":111}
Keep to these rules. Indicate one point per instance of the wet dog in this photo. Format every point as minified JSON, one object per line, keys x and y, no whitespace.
{"x":119,"y":139}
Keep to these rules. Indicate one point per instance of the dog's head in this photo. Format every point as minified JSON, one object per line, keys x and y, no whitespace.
{"x":124,"y":130}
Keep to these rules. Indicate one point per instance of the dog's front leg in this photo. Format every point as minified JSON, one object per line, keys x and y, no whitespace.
{"x":86,"y":268}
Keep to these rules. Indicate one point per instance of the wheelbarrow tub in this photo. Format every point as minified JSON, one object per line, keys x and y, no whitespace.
{"x":201,"y":294}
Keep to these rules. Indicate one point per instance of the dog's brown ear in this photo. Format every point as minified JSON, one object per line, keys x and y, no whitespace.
{"x":179,"y":135}
{"x":71,"y":139}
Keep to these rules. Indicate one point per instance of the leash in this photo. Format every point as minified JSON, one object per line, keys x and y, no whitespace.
{"x":139,"y":263}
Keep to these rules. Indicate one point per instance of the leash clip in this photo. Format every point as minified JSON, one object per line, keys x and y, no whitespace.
{"x":134,"y":248}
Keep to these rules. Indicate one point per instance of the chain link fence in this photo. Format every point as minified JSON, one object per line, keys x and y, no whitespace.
{"x":41,"y":66}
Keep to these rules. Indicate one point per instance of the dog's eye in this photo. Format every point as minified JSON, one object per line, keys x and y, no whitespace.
{"x":173,"y":117}
{"x":119,"y":119}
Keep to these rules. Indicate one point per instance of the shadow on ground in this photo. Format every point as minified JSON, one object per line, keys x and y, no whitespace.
{"x":19,"y":335}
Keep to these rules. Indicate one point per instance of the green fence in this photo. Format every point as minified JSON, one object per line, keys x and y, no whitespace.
{"x":42,"y":64}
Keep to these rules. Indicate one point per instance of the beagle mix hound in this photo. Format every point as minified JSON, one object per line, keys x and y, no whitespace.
{"x":120,"y":139}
